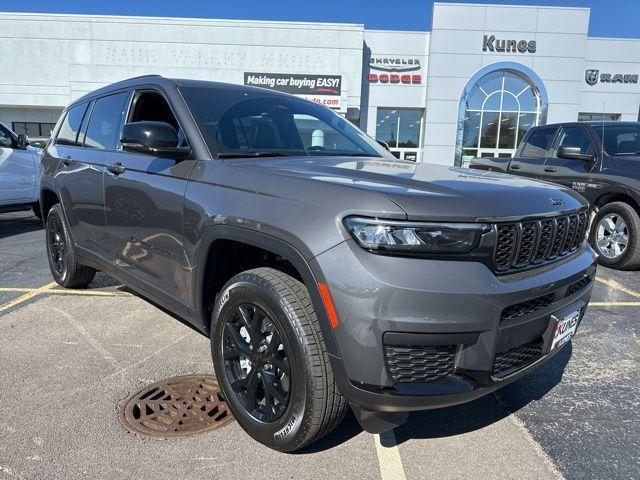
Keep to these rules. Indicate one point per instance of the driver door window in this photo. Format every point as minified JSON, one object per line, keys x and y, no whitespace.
{"x":567,"y":171}
{"x":574,"y":137}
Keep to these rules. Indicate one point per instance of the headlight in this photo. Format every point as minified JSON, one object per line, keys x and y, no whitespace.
{"x":415,"y":237}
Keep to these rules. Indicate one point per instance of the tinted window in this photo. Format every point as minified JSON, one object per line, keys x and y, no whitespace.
{"x":104,"y":124}
{"x":620,"y":139}
{"x":5,"y":138}
{"x":248,"y":122}
{"x":575,"y":137}
{"x":538,"y":142}
{"x":68,"y":134}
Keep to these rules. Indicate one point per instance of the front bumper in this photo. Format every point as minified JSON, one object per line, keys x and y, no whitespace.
{"x":399,"y":302}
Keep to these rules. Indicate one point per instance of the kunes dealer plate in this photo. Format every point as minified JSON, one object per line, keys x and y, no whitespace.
{"x":565,"y":329}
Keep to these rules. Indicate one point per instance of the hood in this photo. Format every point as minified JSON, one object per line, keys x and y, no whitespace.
{"x":427,"y":191}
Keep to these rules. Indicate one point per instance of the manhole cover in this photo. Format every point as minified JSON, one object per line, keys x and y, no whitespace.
{"x":176,"y":407}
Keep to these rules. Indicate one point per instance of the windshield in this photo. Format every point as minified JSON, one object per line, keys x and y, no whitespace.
{"x":620,"y":139}
{"x":247,"y":123}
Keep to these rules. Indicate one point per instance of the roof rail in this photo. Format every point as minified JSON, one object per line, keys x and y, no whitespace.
{"x":142,"y":76}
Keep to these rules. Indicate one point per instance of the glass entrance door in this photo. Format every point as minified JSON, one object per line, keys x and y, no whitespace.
{"x":401,"y":129}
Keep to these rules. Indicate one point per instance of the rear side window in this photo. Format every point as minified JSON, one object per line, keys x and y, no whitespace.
{"x":104,"y":124}
{"x":68,"y":134}
{"x":538,"y":142}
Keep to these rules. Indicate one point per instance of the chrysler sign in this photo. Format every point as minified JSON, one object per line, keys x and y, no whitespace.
{"x":395,"y":64}
{"x":395,"y":70}
{"x":492,"y":44}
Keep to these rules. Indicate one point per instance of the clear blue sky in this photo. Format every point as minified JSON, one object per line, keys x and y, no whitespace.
{"x":609,"y":18}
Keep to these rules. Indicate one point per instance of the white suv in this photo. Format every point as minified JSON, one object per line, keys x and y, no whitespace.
{"x":19,"y":173}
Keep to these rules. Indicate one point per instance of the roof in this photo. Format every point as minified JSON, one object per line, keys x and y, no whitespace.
{"x":171,"y":83}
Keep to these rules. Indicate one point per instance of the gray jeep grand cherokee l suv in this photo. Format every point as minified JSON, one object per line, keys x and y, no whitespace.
{"x":326,"y":272}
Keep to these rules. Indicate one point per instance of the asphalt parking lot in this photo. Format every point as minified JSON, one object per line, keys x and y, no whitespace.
{"x":69,"y":359}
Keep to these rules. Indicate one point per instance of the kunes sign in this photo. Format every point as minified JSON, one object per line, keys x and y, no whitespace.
{"x":491,"y":44}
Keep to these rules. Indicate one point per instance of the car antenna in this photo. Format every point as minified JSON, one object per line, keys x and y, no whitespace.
{"x":602,"y":137}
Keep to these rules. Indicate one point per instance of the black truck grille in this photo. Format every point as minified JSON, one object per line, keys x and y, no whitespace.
{"x":522,"y":244}
{"x":516,"y":358}
{"x":419,"y":363}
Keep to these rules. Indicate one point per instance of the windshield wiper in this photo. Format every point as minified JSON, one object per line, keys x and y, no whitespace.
{"x":350,"y":154}
{"x":252,"y":155}
{"x":621,"y":154}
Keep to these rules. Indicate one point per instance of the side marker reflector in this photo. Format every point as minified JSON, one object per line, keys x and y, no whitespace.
{"x":328,"y":305}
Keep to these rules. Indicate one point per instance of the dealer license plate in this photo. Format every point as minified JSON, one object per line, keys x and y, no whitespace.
{"x":564,"y":330}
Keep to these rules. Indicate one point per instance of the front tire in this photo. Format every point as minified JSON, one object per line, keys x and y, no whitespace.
{"x":271,"y":361}
{"x":63,"y":263}
{"x":614,"y":236}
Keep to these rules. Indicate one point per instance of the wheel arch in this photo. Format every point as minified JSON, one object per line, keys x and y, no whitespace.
{"x":48,"y":198}
{"x":204,"y":296}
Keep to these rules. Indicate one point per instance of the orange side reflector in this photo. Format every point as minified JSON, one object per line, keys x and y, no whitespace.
{"x":328,"y":305}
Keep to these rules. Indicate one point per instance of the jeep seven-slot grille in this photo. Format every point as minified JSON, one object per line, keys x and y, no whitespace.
{"x":516,"y":358}
{"x":419,"y":363}
{"x":522,"y":244}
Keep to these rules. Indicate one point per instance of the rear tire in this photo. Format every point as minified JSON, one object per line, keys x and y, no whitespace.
{"x":63,"y":263}
{"x":308,"y":404}
{"x":613,"y":225}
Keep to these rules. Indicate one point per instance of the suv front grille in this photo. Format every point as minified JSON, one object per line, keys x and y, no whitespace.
{"x":522,"y":244}
{"x":419,"y":363}
{"x":516,"y":358}
{"x":525,"y":308}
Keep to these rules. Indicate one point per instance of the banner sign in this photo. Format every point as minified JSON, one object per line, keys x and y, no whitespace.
{"x":323,"y":89}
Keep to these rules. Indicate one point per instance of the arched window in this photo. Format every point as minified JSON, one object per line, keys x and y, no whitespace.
{"x":497,"y":108}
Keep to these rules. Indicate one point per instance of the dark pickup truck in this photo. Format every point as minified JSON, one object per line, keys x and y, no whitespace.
{"x":600,"y":160}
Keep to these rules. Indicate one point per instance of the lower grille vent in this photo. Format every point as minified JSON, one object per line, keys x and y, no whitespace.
{"x":419,"y":363}
{"x":516,"y":358}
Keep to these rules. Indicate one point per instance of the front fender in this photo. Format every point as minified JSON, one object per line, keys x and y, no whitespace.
{"x":267,"y":242}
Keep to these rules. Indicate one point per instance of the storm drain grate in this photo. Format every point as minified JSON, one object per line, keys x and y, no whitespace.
{"x":176,"y":407}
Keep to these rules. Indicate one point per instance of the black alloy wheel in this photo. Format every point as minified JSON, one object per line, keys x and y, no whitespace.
{"x":57,"y":245}
{"x":65,"y":267}
{"x":256,"y":362}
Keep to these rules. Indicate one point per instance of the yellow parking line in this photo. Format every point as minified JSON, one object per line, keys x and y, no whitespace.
{"x":27,"y":296}
{"x":7,"y":289}
{"x":389,"y":459}
{"x":617,"y":286}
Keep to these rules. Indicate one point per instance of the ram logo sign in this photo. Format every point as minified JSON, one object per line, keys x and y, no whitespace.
{"x":592,"y":76}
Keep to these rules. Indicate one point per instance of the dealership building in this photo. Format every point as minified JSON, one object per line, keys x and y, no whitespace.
{"x":471,"y":86}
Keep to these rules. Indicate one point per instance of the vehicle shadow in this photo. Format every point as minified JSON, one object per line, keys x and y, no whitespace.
{"x":468,"y":417}
{"x":447,"y":422}
{"x":18,"y":223}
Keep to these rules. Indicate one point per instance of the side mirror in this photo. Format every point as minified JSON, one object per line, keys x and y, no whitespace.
{"x":385,"y":145}
{"x":153,"y":138}
{"x":22,"y":142}
{"x":573,"y":153}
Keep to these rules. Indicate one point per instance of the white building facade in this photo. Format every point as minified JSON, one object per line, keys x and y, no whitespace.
{"x":472,"y":86}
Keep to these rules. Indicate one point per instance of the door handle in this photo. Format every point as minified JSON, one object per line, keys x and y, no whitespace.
{"x":116,"y":168}
{"x":550,"y":169}
{"x":68,"y":161}
{"x":515,"y":167}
